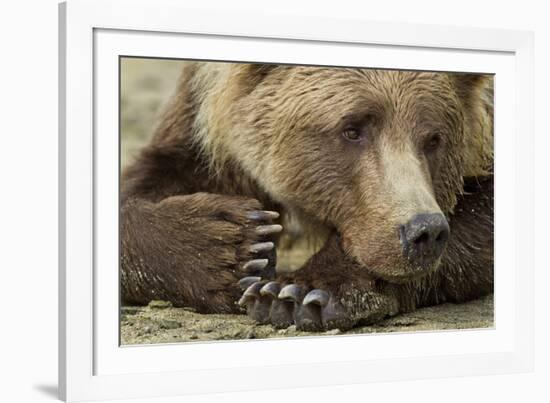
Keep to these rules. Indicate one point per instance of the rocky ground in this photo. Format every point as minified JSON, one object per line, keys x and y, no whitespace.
{"x":161,"y":323}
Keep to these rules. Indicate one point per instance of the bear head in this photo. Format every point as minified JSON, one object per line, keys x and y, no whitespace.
{"x":379,"y":155}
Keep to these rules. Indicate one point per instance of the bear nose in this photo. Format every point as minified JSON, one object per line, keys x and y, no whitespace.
{"x":424,"y":238}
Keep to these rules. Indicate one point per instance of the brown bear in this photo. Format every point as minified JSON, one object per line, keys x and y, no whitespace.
{"x":391,"y":171}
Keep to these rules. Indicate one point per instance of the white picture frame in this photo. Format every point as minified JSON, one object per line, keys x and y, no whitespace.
{"x":92,"y":365}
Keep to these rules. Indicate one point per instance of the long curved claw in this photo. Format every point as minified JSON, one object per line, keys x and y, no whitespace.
{"x":264,"y":230}
{"x":271,"y":289}
{"x":282,"y":306}
{"x":257,"y":306}
{"x":253,"y":266}
{"x":251,"y":293}
{"x":246,"y":282}
{"x":261,"y":247}
{"x":282,"y":313}
{"x":309,"y":318}
{"x":320,"y":311}
{"x":263,"y":215}
{"x":317,"y":297}
{"x":292,"y":292}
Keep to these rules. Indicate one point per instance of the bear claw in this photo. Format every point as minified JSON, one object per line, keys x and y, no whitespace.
{"x":264,"y":230}
{"x":262,"y":253}
{"x":317,"y":297}
{"x":246,"y":282}
{"x":292,"y":292}
{"x":255,"y":265}
{"x":263,"y":215}
{"x":261,"y":247}
{"x":272,"y":289}
{"x":257,"y":306}
{"x":251,"y":294}
{"x":282,"y":306}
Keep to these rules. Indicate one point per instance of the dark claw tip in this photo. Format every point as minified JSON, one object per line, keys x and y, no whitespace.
{"x":291,"y":291}
{"x":246,"y":282}
{"x":263,"y":215}
{"x":317,"y":297}
{"x":272,"y":289}
{"x":257,"y":264}
{"x":269,"y":229}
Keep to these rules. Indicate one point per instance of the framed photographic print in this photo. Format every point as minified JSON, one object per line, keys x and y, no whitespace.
{"x":246,"y":206}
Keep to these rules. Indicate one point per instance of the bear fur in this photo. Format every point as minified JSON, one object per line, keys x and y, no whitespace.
{"x":239,"y":141}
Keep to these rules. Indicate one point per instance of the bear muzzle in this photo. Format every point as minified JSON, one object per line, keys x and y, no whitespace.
{"x":423,"y":239}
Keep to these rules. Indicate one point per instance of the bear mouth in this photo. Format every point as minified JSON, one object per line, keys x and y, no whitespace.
{"x":403,"y":273}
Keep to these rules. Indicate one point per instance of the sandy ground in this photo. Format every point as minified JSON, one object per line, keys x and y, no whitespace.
{"x":160,"y":323}
{"x":145,"y":87}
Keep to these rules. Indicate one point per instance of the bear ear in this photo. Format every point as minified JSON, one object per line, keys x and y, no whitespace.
{"x":469,"y":84}
{"x":250,"y":75}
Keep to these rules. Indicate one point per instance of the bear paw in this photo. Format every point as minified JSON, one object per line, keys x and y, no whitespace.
{"x":283,"y":305}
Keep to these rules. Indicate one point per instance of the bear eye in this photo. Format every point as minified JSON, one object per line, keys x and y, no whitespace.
{"x":352,"y":134}
{"x":433,"y":142}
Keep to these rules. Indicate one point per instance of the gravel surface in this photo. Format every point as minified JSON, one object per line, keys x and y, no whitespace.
{"x":161,"y":323}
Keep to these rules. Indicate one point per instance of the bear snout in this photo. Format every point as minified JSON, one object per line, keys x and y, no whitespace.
{"x":423,"y":239}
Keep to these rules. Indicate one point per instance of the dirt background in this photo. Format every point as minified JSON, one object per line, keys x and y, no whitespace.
{"x":146,"y":85}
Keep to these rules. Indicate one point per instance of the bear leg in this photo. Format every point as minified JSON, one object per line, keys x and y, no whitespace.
{"x":192,"y":249}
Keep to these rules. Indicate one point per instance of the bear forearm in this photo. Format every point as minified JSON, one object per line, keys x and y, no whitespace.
{"x":156,"y":262}
{"x":192,"y":249}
